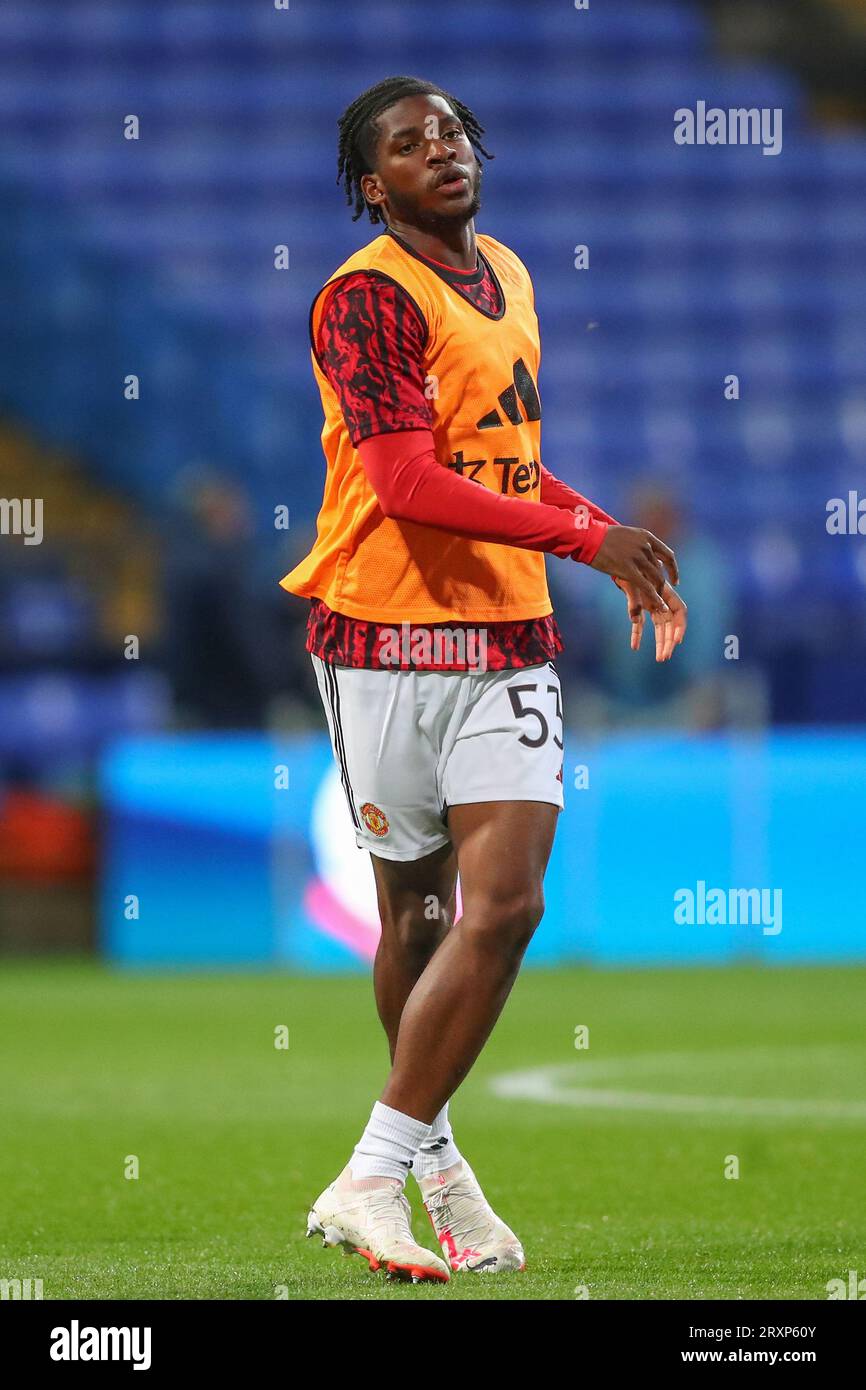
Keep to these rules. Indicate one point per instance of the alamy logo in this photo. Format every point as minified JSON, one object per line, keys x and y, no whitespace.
{"x":77,"y":1343}
{"x":855,"y":1288}
{"x":846,"y":518}
{"x":719,"y":907}
{"x":20,"y":1289}
{"x":523,"y":388}
{"x":22,"y":516}
{"x":411,"y":644}
{"x":739,"y":125}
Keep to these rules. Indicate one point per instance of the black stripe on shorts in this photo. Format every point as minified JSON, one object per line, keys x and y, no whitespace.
{"x":333,"y":690}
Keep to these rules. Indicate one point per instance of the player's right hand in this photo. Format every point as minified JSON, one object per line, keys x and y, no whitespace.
{"x":640,"y":559}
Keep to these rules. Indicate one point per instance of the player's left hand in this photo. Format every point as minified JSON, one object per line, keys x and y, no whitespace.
{"x":670,"y":623}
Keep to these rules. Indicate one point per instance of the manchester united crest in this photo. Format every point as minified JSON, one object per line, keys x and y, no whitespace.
{"x":374,"y":819}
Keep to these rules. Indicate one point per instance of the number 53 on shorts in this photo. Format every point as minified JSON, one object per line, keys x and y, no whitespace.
{"x":509,"y":745}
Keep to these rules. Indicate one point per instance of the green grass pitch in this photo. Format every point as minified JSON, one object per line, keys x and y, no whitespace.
{"x":626,"y":1198}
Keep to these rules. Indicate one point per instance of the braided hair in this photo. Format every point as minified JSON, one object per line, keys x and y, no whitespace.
{"x":359,"y":133}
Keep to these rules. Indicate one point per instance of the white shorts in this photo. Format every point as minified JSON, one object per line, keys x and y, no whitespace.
{"x":409,"y":744}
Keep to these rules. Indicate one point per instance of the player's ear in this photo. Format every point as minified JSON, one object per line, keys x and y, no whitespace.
{"x":372,"y":189}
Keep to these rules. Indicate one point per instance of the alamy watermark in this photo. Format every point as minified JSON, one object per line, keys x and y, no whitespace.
{"x":22,"y":516}
{"x":459,"y":648}
{"x":20,"y":1289}
{"x":855,"y":1287}
{"x":77,"y":1343}
{"x":739,"y":125}
{"x":719,"y":907}
{"x":846,"y":516}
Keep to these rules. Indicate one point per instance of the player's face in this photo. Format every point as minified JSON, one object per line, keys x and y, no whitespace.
{"x":427,"y":174}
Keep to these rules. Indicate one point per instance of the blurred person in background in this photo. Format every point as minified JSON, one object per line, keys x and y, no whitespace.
{"x":612,"y":686}
{"x":229,"y":648}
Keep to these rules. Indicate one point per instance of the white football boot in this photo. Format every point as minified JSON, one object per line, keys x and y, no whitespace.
{"x":374,"y":1222}
{"x":471,"y":1234}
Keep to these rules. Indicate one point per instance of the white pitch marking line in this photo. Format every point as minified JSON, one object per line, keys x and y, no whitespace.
{"x":552,"y":1085}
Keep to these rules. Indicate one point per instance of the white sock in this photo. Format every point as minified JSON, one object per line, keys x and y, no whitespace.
{"x":388,"y":1145}
{"x":438,"y":1151}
